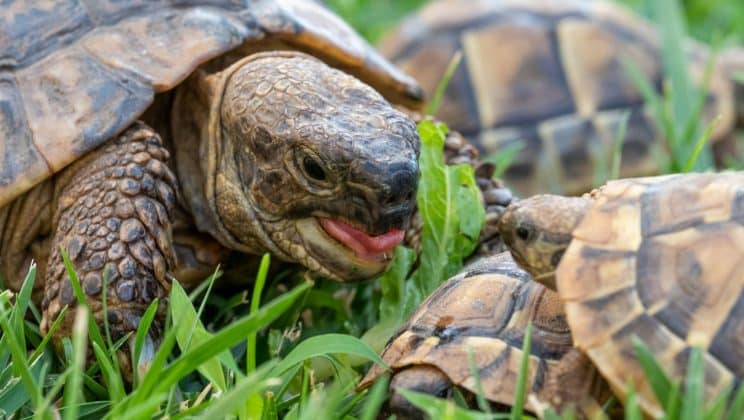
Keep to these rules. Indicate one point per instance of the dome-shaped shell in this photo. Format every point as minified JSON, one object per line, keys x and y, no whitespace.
{"x":660,"y":259}
{"x":73,"y":74}
{"x":485,"y":310}
{"x":549,"y":74}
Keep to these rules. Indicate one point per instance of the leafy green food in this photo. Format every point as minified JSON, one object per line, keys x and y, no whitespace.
{"x":449,"y":203}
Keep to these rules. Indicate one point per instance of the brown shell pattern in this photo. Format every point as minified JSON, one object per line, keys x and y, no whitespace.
{"x":661,"y":259}
{"x":485,"y":309}
{"x":75,"y":73}
{"x":529,"y":75}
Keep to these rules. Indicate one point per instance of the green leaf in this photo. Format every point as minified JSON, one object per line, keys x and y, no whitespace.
{"x":190,"y":333}
{"x":450,"y":205}
{"x":393,"y":285}
{"x":320,"y":345}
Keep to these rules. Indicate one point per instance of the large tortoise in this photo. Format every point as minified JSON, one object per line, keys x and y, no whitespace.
{"x":276,"y":146}
{"x":657,"y":258}
{"x":485,"y":310}
{"x":549,"y":73}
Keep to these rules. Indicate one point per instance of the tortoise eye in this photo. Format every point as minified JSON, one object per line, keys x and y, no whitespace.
{"x":524,"y":233}
{"x":313,"y":169}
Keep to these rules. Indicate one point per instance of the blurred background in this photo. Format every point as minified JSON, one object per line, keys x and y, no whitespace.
{"x":706,"y":19}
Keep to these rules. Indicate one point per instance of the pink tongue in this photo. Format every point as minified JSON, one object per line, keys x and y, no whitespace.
{"x":359,"y":241}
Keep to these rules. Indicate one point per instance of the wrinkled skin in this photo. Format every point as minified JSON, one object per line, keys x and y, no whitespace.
{"x":277,"y":153}
{"x":297,"y":142}
{"x":537,"y":231}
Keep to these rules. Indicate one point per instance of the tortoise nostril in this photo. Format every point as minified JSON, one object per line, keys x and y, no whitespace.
{"x":401,"y":191}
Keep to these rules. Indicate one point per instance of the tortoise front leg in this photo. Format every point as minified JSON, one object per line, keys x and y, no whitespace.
{"x":113,"y":212}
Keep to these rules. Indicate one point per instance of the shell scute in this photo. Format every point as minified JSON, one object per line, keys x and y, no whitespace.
{"x":682,"y":284}
{"x":484,"y":311}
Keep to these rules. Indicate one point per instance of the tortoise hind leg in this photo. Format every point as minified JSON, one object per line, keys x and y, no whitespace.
{"x":576,"y":385}
{"x":113,"y":211}
{"x":420,"y":378}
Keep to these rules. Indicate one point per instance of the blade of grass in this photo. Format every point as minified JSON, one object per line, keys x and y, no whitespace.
{"x":375,"y":398}
{"x":21,"y":305}
{"x":48,"y":336}
{"x":139,"y":340}
{"x":228,"y":337}
{"x":73,"y":386}
{"x":433,"y":106}
{"x":736,"y":409}
{"x":437,"y":408}
{"x":673,"y":403}
{"x":191,"y":333}
{"x":324,"y":344}
{"x":700,"y":145}
{"x":255,"y":383}
{"x":479,"y":396}
{"x":93,"y":331}
{"x":518,"y":406}
{"x":632,"y":406}
{"x":111,"y":376}
{"x":250,"y":352}
{"x":617,"y":146}
{"x":692,"y":403}
{"x":18,"y":355}
{"x":718,"y":406}
{"x":655,"y":375}
{"x":504,"y":157}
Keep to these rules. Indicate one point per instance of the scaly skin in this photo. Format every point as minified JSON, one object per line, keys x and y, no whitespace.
{"x":262,"y":150}
{"x":113,"y":214}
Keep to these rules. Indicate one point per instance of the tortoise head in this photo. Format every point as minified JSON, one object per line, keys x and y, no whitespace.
{"x":309,"y":164}
{"x":538,"y":230}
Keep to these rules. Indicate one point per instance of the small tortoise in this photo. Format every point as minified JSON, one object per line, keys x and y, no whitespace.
{"x":658,"y":258}
{"x":485,"y":309}
{"x":273,"y":150}
{"x":549,"y":73}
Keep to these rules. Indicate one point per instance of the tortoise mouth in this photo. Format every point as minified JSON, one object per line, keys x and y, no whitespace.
{"x":363,"y":244}
{"x":342,"y":251}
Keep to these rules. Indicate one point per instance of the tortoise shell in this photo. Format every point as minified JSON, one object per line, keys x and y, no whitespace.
{"x":660,"y":258}
{"x":549,"y":74}
{"x":74,"y":74}
{"x":485,"y":309}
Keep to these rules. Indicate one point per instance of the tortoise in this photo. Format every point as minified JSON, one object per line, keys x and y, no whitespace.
{"x":548,"y":74}
{"x":658,"y":258}
{"x":486,"y":309}
{"x":279,"y":143}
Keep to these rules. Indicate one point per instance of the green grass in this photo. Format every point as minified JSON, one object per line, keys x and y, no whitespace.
{"x":295,"y":349}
